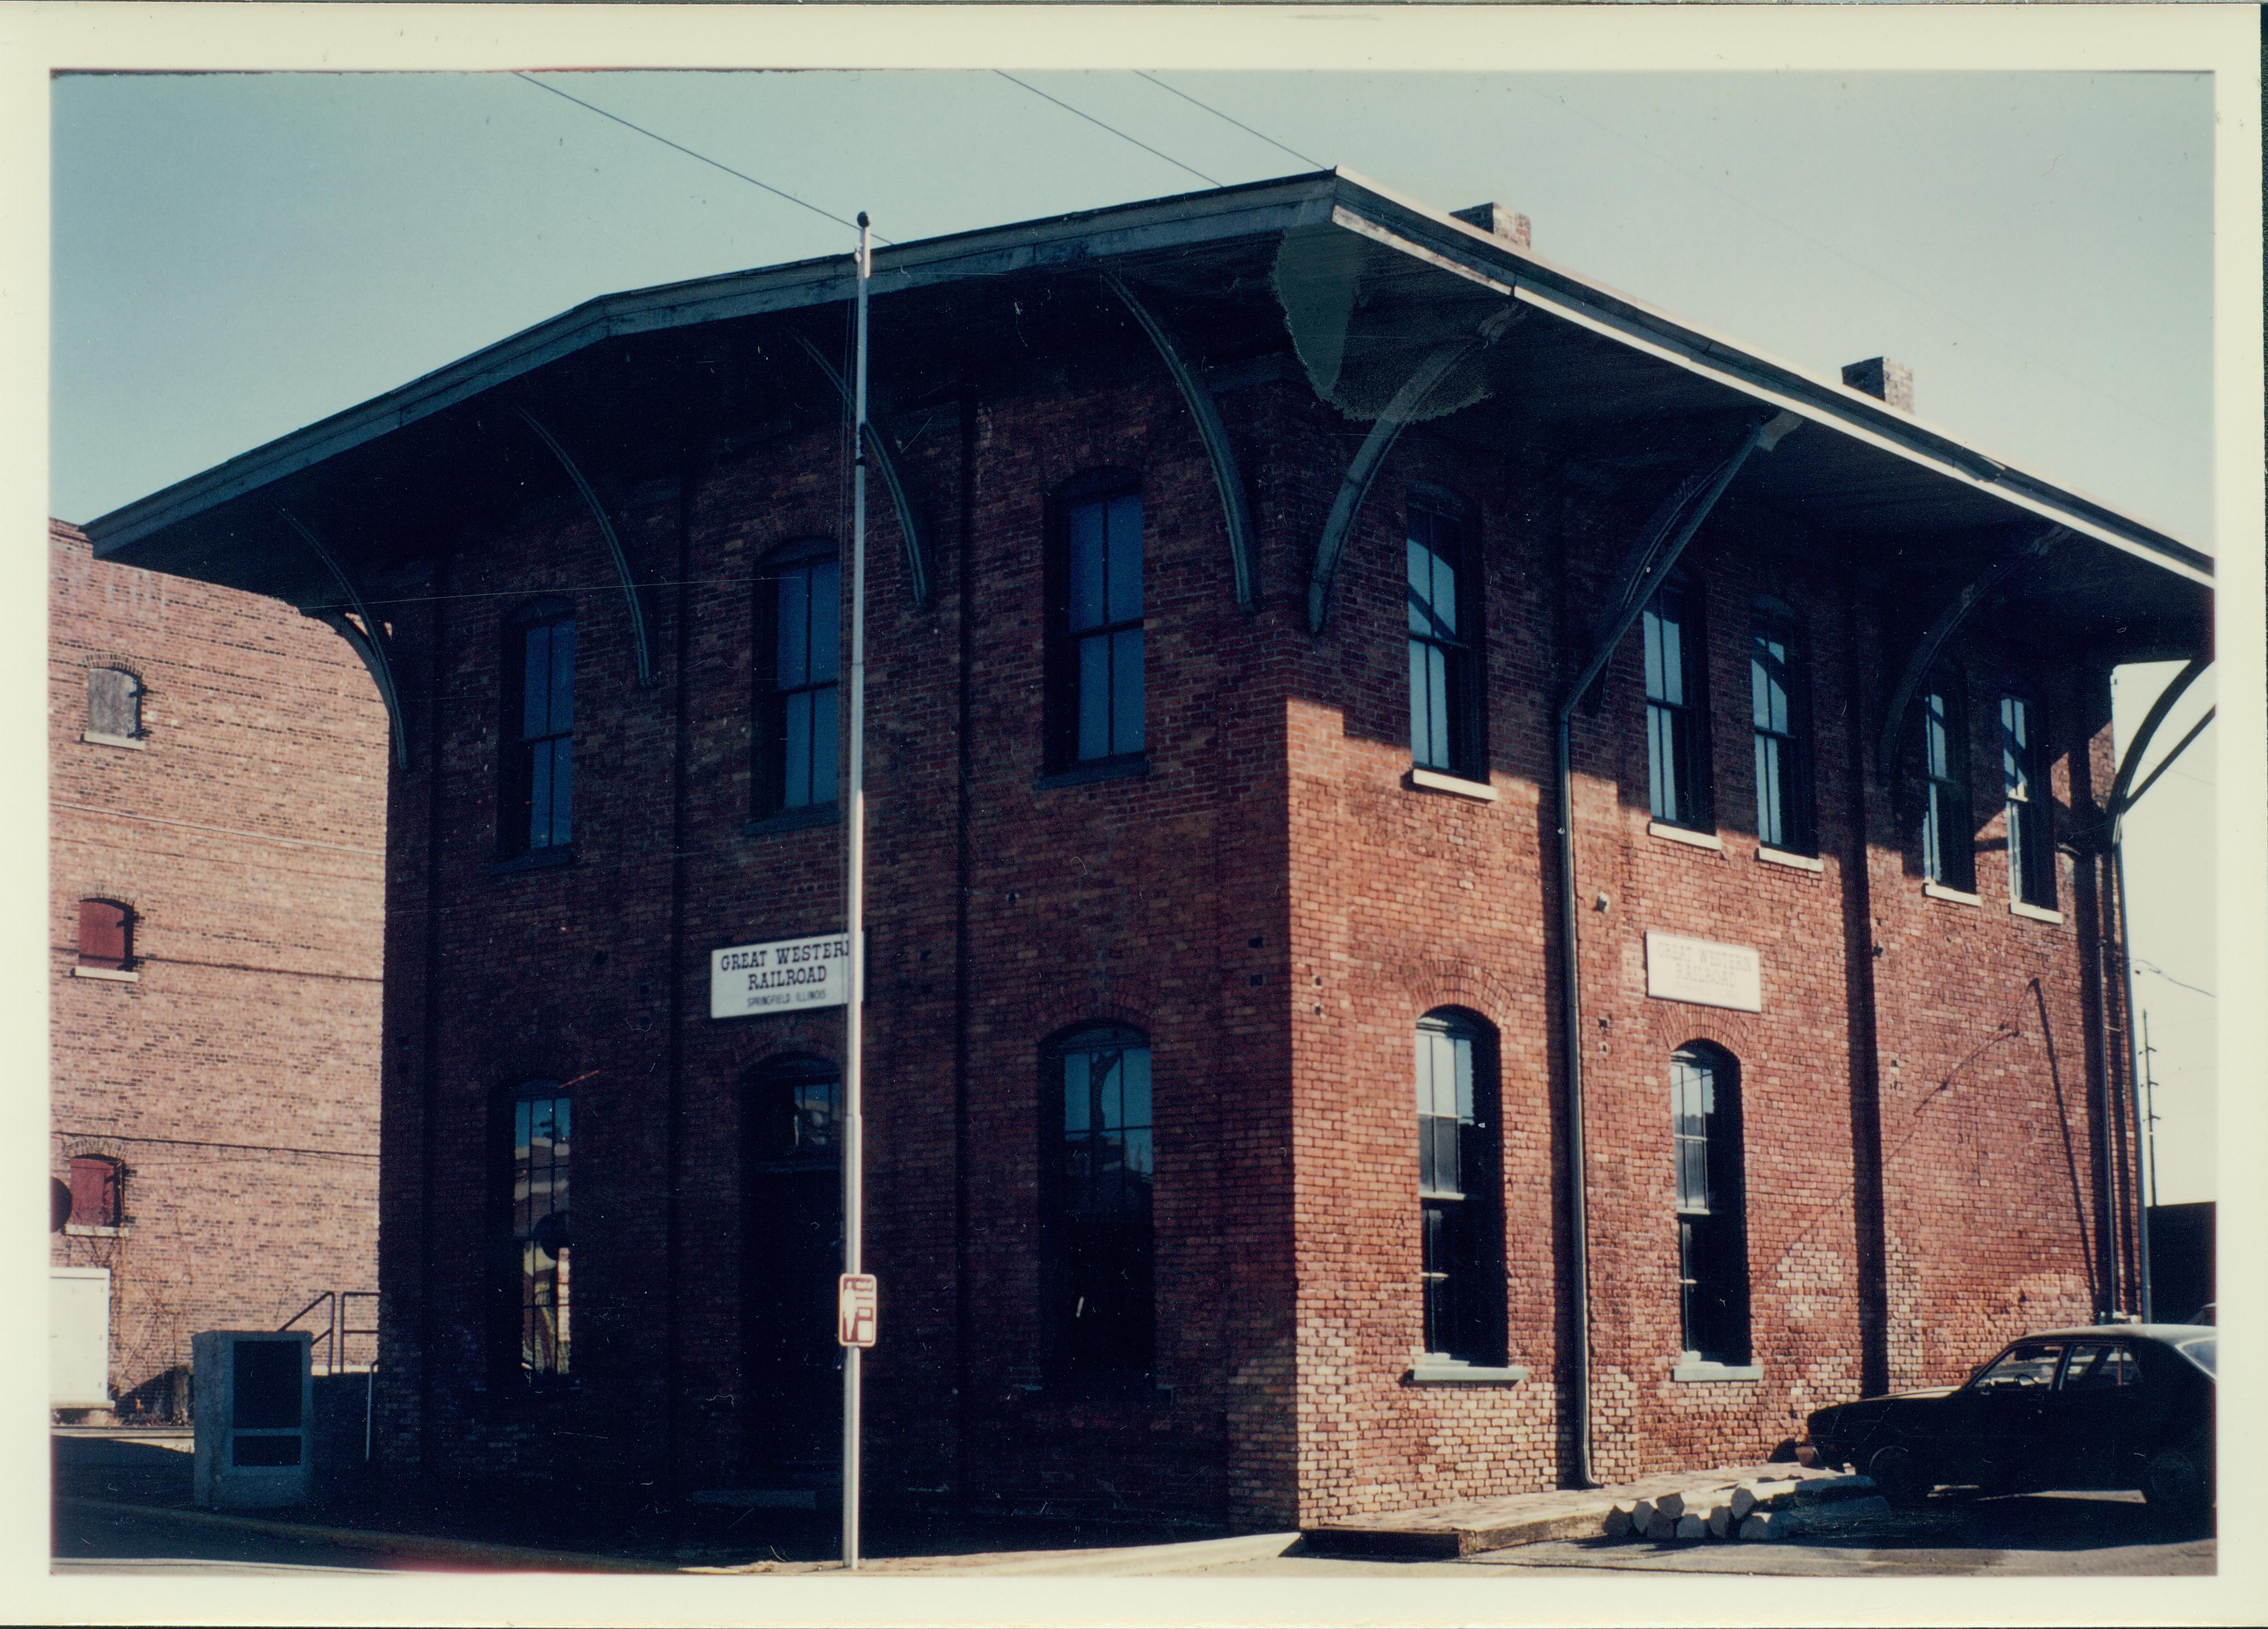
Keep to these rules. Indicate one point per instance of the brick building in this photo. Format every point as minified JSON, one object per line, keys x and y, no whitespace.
{"x":216,"y":786}
{"x":1234,"y":1012}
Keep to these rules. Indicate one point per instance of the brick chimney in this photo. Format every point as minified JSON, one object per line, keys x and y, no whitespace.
{"x":1494,"y":217}
{"x":1878,"y":376}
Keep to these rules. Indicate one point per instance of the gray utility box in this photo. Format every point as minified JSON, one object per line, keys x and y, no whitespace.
{"x":255,"y":1412}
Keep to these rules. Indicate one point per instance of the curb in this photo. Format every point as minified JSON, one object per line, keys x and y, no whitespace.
{"x":425,"y":1545}
{"x":1140,"y":1560}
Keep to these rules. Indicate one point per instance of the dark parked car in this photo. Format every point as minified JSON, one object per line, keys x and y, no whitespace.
{"x":2122,"y":1405}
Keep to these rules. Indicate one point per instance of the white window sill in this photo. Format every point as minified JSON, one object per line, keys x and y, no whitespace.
{"x":120,"y":976}
{"x":1433,"y":780}
{"x":1937,"y":890}
{"x":1434,"y":1371}
{"x":95,"y":738}
{"x":1692,"y":1369}
{"x":1784,"y":856}
{"x":2038,"y":913}
{"x":1682,"y":834}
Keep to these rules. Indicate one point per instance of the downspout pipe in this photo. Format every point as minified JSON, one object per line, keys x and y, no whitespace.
{"x":1669,"y":536}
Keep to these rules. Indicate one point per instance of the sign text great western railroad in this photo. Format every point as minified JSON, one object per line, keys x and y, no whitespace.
{"x":786,"y":976}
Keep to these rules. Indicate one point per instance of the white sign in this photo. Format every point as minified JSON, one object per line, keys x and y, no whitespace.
{"x":1707,"y":974}
{"x":781,"y":977}
{"x":856,"y":1295}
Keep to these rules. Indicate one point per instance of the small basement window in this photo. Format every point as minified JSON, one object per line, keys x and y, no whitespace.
{"x":105,"y":935}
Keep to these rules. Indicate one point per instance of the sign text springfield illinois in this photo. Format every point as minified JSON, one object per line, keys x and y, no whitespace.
{"x":785,"y":976}
{"x":1694,"y":970}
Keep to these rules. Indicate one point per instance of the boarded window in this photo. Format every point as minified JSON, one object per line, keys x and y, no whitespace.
{"x":94,"y":1192}
{"x":114,"y":703}
{"x":106,"y":934}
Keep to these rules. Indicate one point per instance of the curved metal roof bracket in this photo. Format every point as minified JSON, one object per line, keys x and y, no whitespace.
{"x":368,"y":640}
{"x":1384,"y":433}
{"x":878,"y":451}
{"x":1243,"y":548}
{"x":1933,"y":640}
{"x":640,"y":640}
{"x":2124,"y":793}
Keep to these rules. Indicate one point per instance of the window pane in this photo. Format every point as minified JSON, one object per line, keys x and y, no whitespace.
{"x":562,"y":677}
{"x":1078,"y":1093}
{"x":2014,"y":756}
{"x":1662,"y":761}
{"x":825,"y":594}
{"x":1094,"y":697}
{"x":1137,"y":1165}
{"x":1103,"y":1077}
{"x":1134,"y":1069}
{"x":791,"y":638}
{"x":795,"y":741}
{"x":1772,"y":821}
{"x":826,"y":744}
{"x":1424,"y":751}
{"x":1461,"y":1049}
{"x":1437,"y":704}
{"x":1085,"y":524}
{"x":1125,"y":587}
{"x":562,"y":789}
{"x":1421,"y":581}
{"x":1126,"y":691}
{"x":539,"y":795}
{"x":536,"y":685}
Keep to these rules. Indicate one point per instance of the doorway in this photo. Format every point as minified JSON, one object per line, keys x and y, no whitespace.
{"x":793,"y":1251}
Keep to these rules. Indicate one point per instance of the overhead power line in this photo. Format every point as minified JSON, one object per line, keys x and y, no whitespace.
{"x":688,"y":152}
{"x":1238,"y":124}
{"x":1114,"y":130}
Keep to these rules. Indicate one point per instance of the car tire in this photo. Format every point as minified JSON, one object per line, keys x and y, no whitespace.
{"x":2174,"y":1480}
{"x":1898,"y":1475}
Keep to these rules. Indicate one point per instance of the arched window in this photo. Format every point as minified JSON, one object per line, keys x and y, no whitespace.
{"x":1712,"y":1259}
{"x":114,"y":704}
{"x":1095,"y":679}
{"x":97,"y":1197}
{"x":2031,"y":847}
{"x":538,"y":802}
{"x":1779,"y":703}
{"x":1949,"y":855}
{"x":105,"y":935}
{"x":798,"y":671}
{"x":1444,"y":650}
{"x":1100,"y":1243}
{"x":1676,"y":705}
{"x":1459,"y":1184}
{"x":541,"y":1249}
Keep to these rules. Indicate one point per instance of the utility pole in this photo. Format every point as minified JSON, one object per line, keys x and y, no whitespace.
{"x":854,"y":814}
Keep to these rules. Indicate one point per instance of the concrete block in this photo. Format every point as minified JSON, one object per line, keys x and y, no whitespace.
{"x":1720,"y":1521}
{"x":1641,"y":1516}
{"x":1769,"y":1524}
{"x":1618,"y":1524}
{"x":1691,"y":1526}
{"x":1671,"y":1504}
{"x":1662,"y":1527}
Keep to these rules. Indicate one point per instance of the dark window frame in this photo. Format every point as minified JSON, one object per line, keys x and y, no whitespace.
{"x":776,"y":785}
{"x":524,"y":1236}
{"x":1461,"y":1227}
{"x":1780,"y":727}
{"x":105,"y":1182}
{"x":92,"y":952}
{"x":521,"y":754}
{"x":2029,"y":800}
{"x":1071,"y":642}
{"x":1947,"y":827}
{"x":1096,"y":1223}
{"x":1448,"y":729}
{"x":1707,"y":1135}
{"x":1677,"y":725}
{"x":129,"y":703}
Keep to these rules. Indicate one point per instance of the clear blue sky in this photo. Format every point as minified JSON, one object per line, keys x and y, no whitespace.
{"x":234,"y":256}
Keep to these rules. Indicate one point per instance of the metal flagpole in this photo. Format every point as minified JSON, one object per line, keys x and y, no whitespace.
{"x":855,"y":817}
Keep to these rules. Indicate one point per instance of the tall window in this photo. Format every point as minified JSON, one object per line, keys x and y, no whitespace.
{"x":538,"y":1234}
{"x":2031,"y":851}
{"x":539,"y":790}
{"x":1463,"y":1250}
{"x":1677,"y":724}
{"x":114,"y":703}
{"x":1947,"y":839}
{"x":105,"y":935}
{"x":97,"y":1192}
{"x":1712,"y":1261}
{"x":1778,"y":705}
{"x":1104,"y":1318}
{"x":1443,"y":689}
{"x":1095,"y":663}
{"x":798,"y":666}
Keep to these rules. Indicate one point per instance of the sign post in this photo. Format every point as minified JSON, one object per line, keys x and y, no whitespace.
{"x":854,"y":814}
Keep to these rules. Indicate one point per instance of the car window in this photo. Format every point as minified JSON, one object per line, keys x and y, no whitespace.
{"x":2202,"y":1351}
{"x":2028,"y":1367}
{"x":2101,"y":1369}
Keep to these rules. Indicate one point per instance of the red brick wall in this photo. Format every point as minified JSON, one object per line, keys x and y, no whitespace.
{"x":1270,"y":903}
{"x":235,"y":1078}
